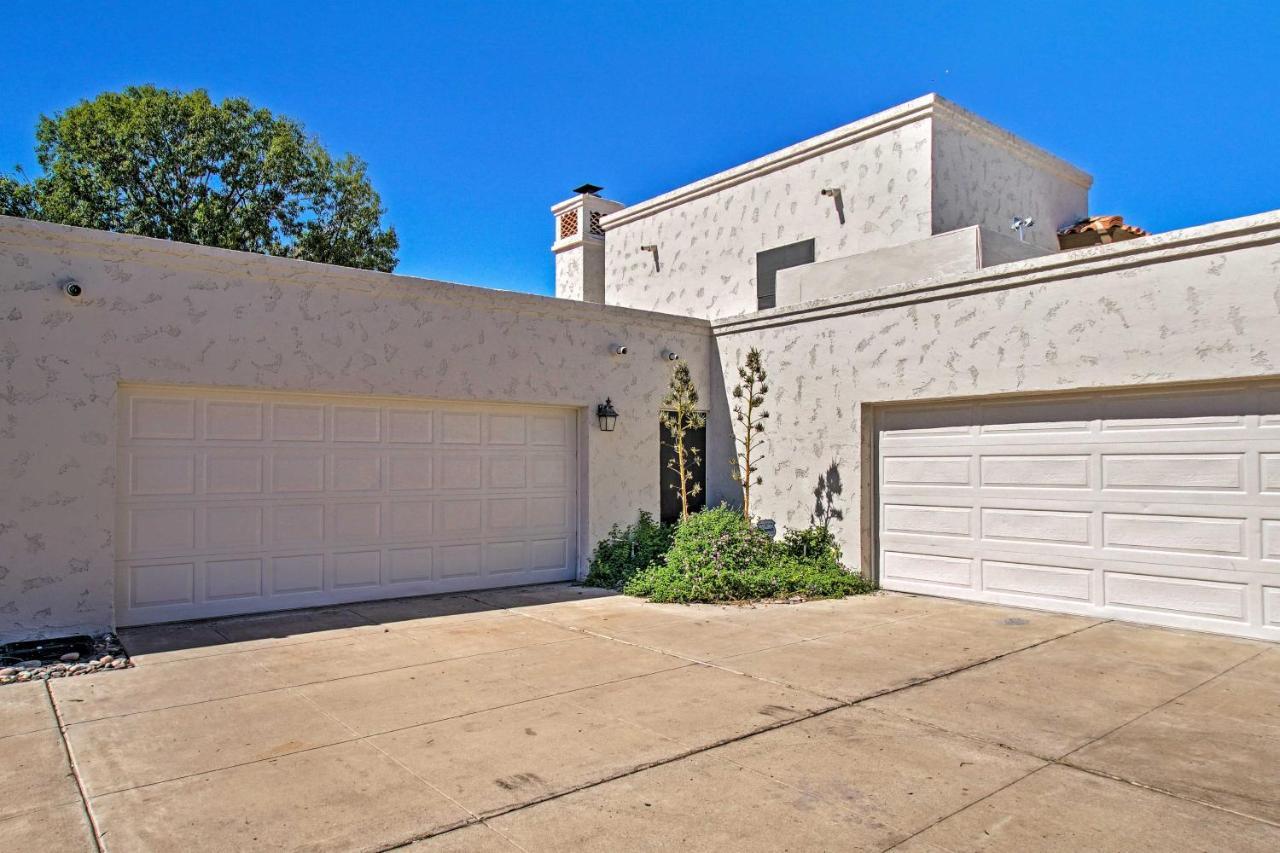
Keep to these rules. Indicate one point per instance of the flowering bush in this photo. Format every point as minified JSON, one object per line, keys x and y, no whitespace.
{"x":717,"y":556}
{"x":627,"y":550}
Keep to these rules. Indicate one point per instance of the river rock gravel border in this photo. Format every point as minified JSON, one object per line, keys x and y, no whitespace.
{"x":42,"y":660}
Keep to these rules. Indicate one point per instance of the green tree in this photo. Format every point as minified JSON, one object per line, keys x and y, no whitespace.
{"x":680,"y":416}
{"x":748,"y":411}
{"x":175,"y":165}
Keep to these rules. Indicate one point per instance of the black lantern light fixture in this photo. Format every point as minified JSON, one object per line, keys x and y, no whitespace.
{"x":608,"y":417}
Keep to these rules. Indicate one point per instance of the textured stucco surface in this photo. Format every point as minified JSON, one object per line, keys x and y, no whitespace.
{"x":157,"y":312}
{"x":959,"y":251}
{"x":979,"y":178}
{"x":708,"y":246}
{"x":569,"y":274}
{"x":919,"y":169}
{"x":996,"y":247}
{"x":580,"y":273}
{"x":1196,"y":305}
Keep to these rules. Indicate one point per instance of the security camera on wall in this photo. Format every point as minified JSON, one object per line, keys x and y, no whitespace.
{"x":71,"y":288}
{"x":618,"y":349}
{"x":669,"y":355}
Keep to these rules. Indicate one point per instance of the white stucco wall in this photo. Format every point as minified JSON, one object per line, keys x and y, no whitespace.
{"x":985,"y":176}
{"x":959,"y":251}
{"x":1187,"y":306}
{"x":708,"y":233}
{"x":569,"y":275}
{"x":1000,"y":247}
{"x":923,"y":168}
{"x":160,"y":312}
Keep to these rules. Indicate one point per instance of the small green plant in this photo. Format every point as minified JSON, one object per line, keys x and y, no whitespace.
{"x":628,"y":550}
{"x":680,"y":416}
{"x":749,"y":412}
{"x":812,"y":543}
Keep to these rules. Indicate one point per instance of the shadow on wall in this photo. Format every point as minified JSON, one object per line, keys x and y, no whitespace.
{"x":825,"y":493}
{"x":721,"y":455}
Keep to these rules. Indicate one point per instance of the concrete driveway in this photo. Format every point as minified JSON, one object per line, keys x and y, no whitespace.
{"x":557,"y":718}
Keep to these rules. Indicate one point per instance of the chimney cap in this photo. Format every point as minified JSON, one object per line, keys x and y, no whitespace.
{"x":588,"y":189}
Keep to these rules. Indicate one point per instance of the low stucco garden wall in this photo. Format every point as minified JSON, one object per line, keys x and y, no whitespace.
{"x":167,"y":313}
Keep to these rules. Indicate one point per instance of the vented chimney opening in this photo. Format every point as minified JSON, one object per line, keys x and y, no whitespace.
{"x":568,"y":224}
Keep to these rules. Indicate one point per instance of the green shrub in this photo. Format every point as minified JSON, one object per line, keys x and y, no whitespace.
{"x":717,"y":539}
{"x":817,"y":542}
{"x":782,"y":577}
{"x":717,"y":556}
{"x":626,"y":551}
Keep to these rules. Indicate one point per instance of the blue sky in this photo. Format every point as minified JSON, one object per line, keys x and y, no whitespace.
{"x":476,"y":117}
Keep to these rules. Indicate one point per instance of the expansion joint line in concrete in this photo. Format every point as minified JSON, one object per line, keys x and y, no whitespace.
{"x":75,"y":771}
{"x":839,"y":705}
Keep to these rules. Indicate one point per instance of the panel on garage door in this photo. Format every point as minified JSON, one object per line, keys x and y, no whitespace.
{"x":1153,"y":507}
{"x":235,"y":502}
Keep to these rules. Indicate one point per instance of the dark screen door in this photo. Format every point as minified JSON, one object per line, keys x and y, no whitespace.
{"x":695,"y":438}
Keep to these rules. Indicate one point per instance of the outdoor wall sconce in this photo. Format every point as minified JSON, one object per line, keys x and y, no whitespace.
{"x":608,"y":417}
{"x":837,"y":197}
{"x":652,"y":249}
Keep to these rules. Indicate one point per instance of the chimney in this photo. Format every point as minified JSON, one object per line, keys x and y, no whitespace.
{"x":579,"y":244}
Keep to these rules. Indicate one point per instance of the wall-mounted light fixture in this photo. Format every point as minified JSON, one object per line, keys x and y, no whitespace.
{"x":1021,"y":225}
{"x":608,"y":417}
{"x":652,"y":249}
{"x":71,"y":288}
{"x":837,"y":197}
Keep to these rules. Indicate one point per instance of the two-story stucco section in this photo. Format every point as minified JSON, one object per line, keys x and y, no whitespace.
{"x":902,"y":175}
{"x":173,"y":317}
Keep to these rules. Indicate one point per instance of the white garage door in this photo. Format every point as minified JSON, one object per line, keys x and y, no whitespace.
{"x":1160,"y":508}
{"x":234,"y":502}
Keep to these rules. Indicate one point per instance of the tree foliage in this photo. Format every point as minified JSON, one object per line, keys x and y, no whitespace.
{"x":748,"y":411}
{"x":175,"y":165}
{"x":680,"y":416}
